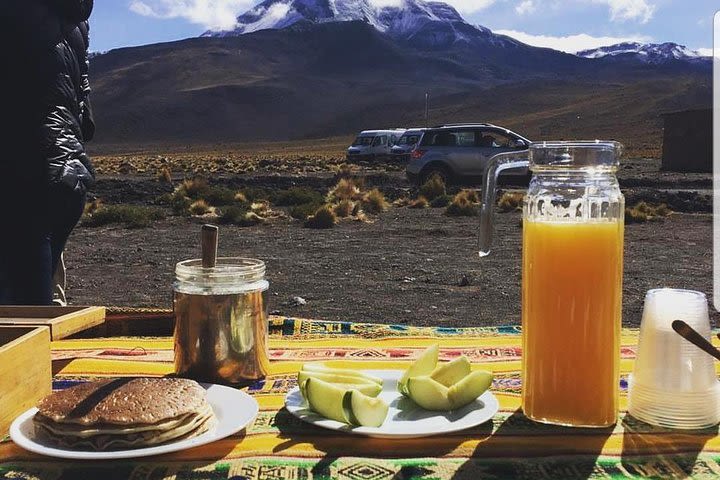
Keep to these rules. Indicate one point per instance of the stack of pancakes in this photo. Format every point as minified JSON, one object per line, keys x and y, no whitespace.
{"x":124,"y":413}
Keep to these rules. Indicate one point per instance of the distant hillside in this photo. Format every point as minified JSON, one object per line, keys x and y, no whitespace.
{"x":335,"y":78}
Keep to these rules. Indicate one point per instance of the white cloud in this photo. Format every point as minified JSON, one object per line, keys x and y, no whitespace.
{"x":623,"y":10}
{"x":525,"y":7}
{"x":705,"y":52}
{"x":570,"y":43}
{"x":211,"y":14}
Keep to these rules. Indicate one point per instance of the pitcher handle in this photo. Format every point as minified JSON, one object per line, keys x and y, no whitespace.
{"x":495,"y":166}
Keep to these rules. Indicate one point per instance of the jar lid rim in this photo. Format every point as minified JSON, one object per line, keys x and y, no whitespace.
{"x":224,"y":267}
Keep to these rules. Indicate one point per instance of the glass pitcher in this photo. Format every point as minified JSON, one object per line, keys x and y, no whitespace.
{"x":573,"y":223}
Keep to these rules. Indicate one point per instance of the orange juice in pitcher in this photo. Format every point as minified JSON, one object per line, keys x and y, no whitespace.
{"x":571,"y":281}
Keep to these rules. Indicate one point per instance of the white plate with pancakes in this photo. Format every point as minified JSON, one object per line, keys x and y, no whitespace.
{"x":223,"y":412}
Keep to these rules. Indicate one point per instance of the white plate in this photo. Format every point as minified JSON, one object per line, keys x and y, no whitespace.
{"x":405,"y":419}
{"x":233,"y":408}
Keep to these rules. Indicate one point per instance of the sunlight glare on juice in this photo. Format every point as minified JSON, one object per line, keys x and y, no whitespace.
{"x":571,"y":316}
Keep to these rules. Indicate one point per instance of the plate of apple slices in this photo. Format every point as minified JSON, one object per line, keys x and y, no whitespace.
{"x":429,"y":398}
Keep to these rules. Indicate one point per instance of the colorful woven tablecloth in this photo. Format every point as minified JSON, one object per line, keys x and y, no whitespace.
{"x":277,"y":446}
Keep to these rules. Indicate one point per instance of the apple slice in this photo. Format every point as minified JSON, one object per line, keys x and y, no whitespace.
{"x":370,"y":389}
{"x":452,"y":372}
{"x":424,"y":365}
{"x":321,"y":368}
{"x":326,"y":399}
{"x":428,"y":393}
{"x":333,"y":378}
{"x":469,"y":388}
{"x":364,"y":410}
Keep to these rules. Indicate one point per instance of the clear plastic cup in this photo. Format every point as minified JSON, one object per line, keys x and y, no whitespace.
{"x":674,"y":383}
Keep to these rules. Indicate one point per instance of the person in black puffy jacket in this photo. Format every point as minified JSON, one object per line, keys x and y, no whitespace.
{"x":44,"y":169}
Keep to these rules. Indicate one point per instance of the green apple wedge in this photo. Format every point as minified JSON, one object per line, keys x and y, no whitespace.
{"x":333,"y":378}
{"x":326,"y":399}
{"x":321,"y":368}
{"x":469,"y":388}
{"x":424,"y":365}
{"x":364,"y":410}
{"x":452,"y":372}
{"x":369,"y":389}
{"x":428,"y":393}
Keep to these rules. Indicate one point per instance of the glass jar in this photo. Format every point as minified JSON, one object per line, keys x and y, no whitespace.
{"x":573,"y":224}
{"x":221,"y":324}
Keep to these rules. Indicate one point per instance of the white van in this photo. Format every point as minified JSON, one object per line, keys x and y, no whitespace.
{"x":373,"y":145}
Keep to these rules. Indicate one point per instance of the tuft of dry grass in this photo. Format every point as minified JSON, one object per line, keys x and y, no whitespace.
{"x":433,"y":188}
{"x":131,"y":216}
{"x":344,"y":208}
{"x":470,"y":195}
{"x":374,"y":202}
{"x":461,"y":206}
{"x":240,"y":197}
{"x":420,"y":202}
{"x":346,"y":189}
{"x":510,"y":201}
{"x":164,"y":174}
{"x":643,"y":212}
{"x":196,"y":187}
{"x":199,"y":207}
{"x":92,"y":206}
{"x":323,"y":218}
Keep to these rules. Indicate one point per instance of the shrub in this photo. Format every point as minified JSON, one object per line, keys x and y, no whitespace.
{"x":642,"y":212}
{"x":194,"y":188}
{"x":302,"y":212}
{"x":92,"y":206}
{"x":250,"y":219}
{"x":199,"y":207}
{"x":441,"y":201}
{"x":254,"y":194}
{"x":180,"y":204}
{"x":470,"y":195}
{"x":132,"y":216}
{"x":510,"y":201}
{"x":323,"y":218}
{"x":164,"y":175}
{"x":232,"y":214}
{"x":345,"y":171}
{"x":345,"y":189}
{"x":374,"y":202}
{"x":433,"y":188}
{"x":217,"y":196}
{"x":634,"y":215}
{"x":461,"y":207}
{"x":240,"y":197}
{"x":344,"y":209}
{"x":297,"y":196}
{"x":420,"y":202}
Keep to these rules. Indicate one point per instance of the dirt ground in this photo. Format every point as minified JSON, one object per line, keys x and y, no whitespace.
{"x":416,"y":267}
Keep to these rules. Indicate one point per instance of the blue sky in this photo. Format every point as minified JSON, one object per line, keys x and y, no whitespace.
{"x":568,"y":25}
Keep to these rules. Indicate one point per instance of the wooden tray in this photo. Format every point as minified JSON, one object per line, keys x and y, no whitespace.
{"x":25,"y":370}
{"x":62,"y":321}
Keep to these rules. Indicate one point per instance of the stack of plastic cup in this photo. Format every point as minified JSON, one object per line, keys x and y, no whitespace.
{"x":674,"y":384}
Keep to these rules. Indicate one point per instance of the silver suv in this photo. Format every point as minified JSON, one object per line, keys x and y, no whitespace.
{"x":459,"y":152}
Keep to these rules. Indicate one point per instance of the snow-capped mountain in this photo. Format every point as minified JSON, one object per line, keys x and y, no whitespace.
{"x":652,"y":53}
{"x":425,"y":23}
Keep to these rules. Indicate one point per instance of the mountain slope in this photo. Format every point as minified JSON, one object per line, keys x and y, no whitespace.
{"x":317,"y":80}
{"x":651,"y":53}
{"x":424,"y":23}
